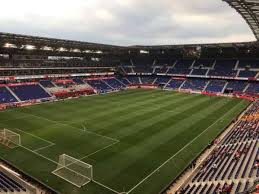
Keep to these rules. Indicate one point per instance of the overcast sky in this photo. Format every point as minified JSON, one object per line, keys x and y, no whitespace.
{"x":126,"y":22}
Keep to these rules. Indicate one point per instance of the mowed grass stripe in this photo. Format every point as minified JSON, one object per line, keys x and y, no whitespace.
{"x":103,"y":123}
{"x":140,"y":148}
{"x":160,"y":146}
{"x":72,"y":109}
{"x":149,"y":119}
{"x":116,"y":111}
{"x":162,"y":177}
{"x":151,"y":132}
{"x":141,"y":112}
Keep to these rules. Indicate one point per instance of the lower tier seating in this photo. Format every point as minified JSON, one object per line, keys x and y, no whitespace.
{"x":6,"y":96}
{"x":8,"y":185}
{"x":216,"y":86}
{"x":233,"y":166}
{"x":29,"y":92}
{"x":99,"y":85}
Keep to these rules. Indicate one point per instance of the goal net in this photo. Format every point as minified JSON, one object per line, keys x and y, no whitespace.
{"x":9,"y":138}
{"x":73,"y":170}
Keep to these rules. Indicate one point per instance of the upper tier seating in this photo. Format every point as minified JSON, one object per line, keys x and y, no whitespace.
{"x":224,"y":68}
{"x":99,"y":85}
{"x":195,"y":84}
{"x":8,"y":185}
{"x":204,"y":63}
{"x":181,"y":67}
{"x":215,"y":86}
{"x":143,"y":69}
{"x":47,"y":84}
{"x":161,"y":69}
{"x":247,"y":74}
{"x":199,"y":71}
{"x":6,"y":96}
{"x":29,"y":92}
{"x":248,"y":64}
{"x":128,"y":69}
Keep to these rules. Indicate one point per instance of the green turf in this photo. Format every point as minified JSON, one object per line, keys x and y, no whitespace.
{"x":136,"y":140}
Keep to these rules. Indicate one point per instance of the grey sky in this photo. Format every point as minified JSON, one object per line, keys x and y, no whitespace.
{"x":126,"y":22}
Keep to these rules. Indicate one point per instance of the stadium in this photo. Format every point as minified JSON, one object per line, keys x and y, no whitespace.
{"x":88,"y":118}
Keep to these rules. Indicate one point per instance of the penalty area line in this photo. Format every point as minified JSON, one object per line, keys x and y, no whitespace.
{"x":64,"y":124}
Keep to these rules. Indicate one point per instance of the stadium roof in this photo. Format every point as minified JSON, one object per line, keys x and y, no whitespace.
{"x":18,"y":39}
{"x":249,"y":10}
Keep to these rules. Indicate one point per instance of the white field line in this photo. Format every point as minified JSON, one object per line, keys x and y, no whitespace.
{"x":39,"y":154}
{"x":42,"y":148}
{"x":106,"y":187}
{"x":86,"y":131}
{"x":14,"y":119}
{"x":98,"y":150}
{"x":158,"y":168}
{"x":69,"y":169}
{"x":34,"y":136}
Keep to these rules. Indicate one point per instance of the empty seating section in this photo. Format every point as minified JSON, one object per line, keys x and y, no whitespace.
{"x":29,"y":92}
{"x":254,"y":64}
{"x":133,"y":79}
{"x":175,"y":84}
{"x":147,"y":79}
{"x":194,"y":84}
{"x":78,"y":81}
{"x":128,"y":69}
{"x":6,"y":96}
{"x":181,"y":67}
{"x":143,"y":69}
{"x":215,"y":86}
{"x":114,"y":83}
{"x":253,"y":88}
{"x":124,"y":81}
{"x":8,"y":185}
{"x":46,"y":84}
{"x":161,"y":70}
{"x":143,"y":65}
{"x":162,"y":80}
{"x":224,"y":68}
{"x":233,"y":166}
{"x":247,"y":74}
{"x":201,"y":63}
{"x":199,"y":71}
{"x":99,"y":85}
{"x":237,"y":86}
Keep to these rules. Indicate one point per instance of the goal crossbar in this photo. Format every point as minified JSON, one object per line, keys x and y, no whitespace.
{"x":73,"y":170}
{"x":10,"y":138}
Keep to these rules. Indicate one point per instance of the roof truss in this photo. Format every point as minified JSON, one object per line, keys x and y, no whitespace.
{"x":249,"y":10}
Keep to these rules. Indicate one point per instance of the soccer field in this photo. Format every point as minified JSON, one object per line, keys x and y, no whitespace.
{"x":137,"y":141}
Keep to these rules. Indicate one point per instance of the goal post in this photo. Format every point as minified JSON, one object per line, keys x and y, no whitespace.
{"x":73,"y":170}
{"x":10,"y":138}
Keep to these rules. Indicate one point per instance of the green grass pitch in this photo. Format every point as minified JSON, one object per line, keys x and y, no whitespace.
{"x":138,"y":141}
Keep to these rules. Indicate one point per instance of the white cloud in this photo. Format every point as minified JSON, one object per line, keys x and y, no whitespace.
{"x":126,"y":21}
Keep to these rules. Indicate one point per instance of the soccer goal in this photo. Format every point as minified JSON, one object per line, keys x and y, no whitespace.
{"x":73,"y":170}
{"x":10,"y":138}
